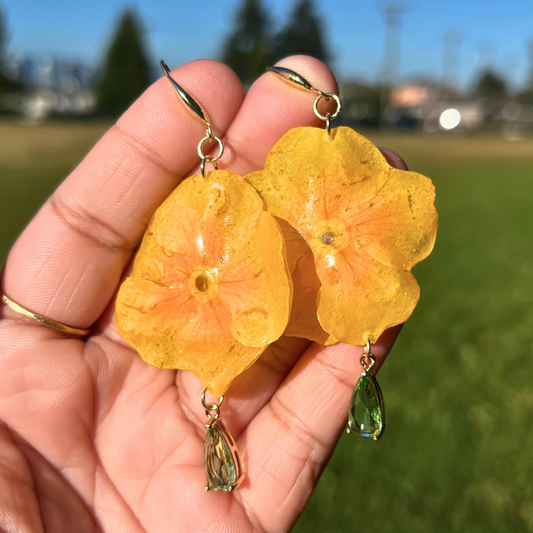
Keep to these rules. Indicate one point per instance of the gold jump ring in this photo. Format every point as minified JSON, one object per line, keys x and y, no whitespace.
{"x":201,"y":146}
{"x":332,"y":116}
{"x":211,"y":406}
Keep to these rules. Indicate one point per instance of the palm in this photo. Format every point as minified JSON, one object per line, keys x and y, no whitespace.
{"x":95,"y":439}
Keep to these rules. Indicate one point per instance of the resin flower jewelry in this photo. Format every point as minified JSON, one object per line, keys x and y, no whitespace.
{"x":354,"y":227}
{"x":210,"y":290}
{"x":213,"y":280}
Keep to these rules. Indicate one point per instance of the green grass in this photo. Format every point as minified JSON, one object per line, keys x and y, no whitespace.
{"x":457,"y":455}
{"x":33,"y":162}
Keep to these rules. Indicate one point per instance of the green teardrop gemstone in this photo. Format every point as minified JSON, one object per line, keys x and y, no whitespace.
{"x":367,"y":410}
{"x":220,"y":458}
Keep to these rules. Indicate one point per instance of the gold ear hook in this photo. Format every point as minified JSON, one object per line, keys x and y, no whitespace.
{"x":295,"y":78}
{"x":187,"y":99}
{"x":191,"y":103}
{"x":300,"y":81}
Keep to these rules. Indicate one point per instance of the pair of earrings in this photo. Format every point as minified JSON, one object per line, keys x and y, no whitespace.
{"x":218,"y":277}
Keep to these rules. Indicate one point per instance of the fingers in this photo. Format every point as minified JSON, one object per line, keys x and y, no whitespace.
{"x":250,"y":391}
{"x":393,"y":159}
{"x":287,"y":445}
{"x":16,"y":489}
{"x":271,"y":108}
{"x":67,"y":263}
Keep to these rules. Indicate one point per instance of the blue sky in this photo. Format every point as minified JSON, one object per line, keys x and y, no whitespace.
{"x":492,"y":32}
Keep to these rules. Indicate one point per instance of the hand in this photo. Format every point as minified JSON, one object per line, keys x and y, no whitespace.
{"x":91,"y":437}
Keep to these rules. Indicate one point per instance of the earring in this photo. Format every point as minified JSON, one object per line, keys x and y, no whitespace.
{"x":210,"y":289}
{"x":354,"y":227}
{"x":366,"y":415}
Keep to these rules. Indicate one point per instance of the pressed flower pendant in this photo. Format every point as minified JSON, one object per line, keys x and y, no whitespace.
{"x":210,"y":288}
{"x":354,"y":228}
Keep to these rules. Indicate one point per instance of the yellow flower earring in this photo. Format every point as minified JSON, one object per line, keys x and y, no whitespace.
{"x":213,"y":280}
{"x":210,"y":290}
{"x":354,"y":227}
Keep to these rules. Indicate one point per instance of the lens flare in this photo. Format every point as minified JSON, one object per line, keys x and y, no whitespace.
{"x":449,"y":119}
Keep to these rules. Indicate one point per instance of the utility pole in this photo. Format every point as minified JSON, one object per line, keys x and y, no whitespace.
{"x":511,"y":68}
{"x":451,"y":61}
{"x":393,"y":13}
{"x":530,"y":54}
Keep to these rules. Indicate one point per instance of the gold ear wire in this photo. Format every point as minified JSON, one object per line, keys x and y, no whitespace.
{"x":298,"y":80}
{"x":186,"y":98}
{"x":191,"y":103}
{"x":295,"y":78}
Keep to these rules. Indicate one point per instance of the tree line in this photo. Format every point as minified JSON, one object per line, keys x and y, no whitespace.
{"x":251,"y":46}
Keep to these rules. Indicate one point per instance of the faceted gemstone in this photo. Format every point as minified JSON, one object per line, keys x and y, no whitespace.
{"x":367,"y":410}
{"x":221,"y":460}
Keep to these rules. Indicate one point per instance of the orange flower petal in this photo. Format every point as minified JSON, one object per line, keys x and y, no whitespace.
{"x":346,"y":202}
{"x":218,"y":375}
{"x":310,"y":176}
{"x":303,"y":321}
{"x":153,"y":262}
{"x":398,"y":225}
{"x":210,"y":287}
{"x":155,"y":321}
{"x":168,"y":326}
{"x":362,"y":298}
{"x":256,"y":285}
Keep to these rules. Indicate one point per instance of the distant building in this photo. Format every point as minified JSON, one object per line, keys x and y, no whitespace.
{"x":434,"y":108}
{"x":56,"y":87}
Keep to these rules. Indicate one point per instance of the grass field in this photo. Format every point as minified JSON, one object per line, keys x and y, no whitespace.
{"x":457,"y":455}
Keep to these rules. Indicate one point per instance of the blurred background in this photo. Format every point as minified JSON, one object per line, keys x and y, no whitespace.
{"x":449,"y":86}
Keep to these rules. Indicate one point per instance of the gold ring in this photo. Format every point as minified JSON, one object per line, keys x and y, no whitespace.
{"x":43,"y":320}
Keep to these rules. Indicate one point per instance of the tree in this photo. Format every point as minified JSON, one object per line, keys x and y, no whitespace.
{"x":526,"y":97}
{"x":4,"y":82}
{"x":7,"y":85}
{"x":491,"y":86}
{"x":303,"y":34}
{"x":248,"y":49}
{"x":126,"y":71}
{"x":3,"y":39}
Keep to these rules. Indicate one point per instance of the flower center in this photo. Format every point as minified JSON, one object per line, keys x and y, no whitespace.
{"x":328,"y":237}
{"x":203,"y":283}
